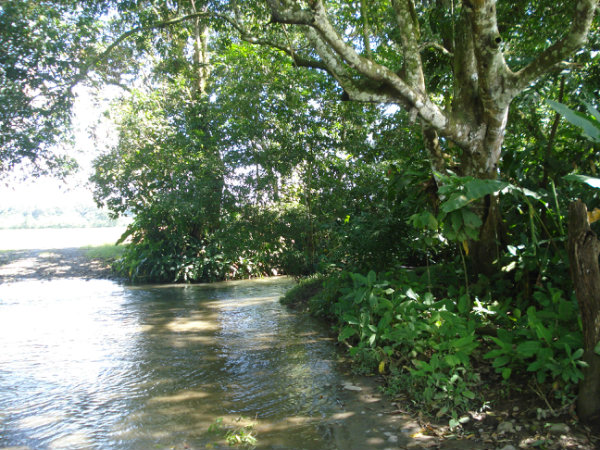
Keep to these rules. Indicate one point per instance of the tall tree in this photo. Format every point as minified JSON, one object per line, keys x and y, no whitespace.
{"x":455,"y":65}
{"x":391,"y":52}
{"x":167,"y":152}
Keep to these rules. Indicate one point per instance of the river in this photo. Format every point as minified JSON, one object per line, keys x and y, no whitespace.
{"x":100,"y":365}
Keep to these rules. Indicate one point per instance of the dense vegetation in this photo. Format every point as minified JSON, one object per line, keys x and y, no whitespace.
{"x":439,"y":248}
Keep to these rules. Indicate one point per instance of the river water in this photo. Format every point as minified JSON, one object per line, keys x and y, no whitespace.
{"x":99,"y":365}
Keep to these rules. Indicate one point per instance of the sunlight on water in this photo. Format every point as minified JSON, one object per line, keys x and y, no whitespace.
{"x":96,"y":365}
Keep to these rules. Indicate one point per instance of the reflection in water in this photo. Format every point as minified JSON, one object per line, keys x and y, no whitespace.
{"x":92,"y":364}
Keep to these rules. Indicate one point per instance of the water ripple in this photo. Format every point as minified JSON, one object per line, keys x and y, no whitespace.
{"x":97,"y":365}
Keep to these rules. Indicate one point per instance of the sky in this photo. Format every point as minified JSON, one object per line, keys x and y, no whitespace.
{"x":50,"y":192}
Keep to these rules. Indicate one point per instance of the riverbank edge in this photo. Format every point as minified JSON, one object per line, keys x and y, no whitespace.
{"x":505,"y":426}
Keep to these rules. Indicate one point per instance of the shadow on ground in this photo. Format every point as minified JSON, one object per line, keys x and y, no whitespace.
{"x":50,"y":264}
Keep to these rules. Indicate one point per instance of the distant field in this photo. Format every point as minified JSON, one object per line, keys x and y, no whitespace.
{"x":58,"y":237}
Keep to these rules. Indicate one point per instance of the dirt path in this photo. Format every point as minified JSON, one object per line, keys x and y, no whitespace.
{"x":46,"y":264}
{"x":54,"y":253}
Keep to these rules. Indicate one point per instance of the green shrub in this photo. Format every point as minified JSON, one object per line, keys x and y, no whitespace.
{"x":304,"y":291}
{"x":429,"y":347}
{"x":424,"y":344}
{"x":546,"y":341}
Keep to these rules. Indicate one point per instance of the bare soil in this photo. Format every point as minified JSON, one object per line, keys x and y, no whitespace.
{"x":46,"y":264}
{"x":45,"y":254}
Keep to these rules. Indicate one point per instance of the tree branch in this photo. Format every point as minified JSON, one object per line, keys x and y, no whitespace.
{"x":287,"y":49}
{"x":283,"y":11}
{"x":365,"y":28}
{"x":443,"y":50}
{"x":491,"y":65}
{"x":340,"y":57}
{"x":409,"y":36}
{"x":356,"y":90}
{"x":575,"y":38}
{"x":123,"y":37}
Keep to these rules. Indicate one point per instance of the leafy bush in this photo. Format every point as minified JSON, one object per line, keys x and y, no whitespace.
{"x":546,"y":340}
{"x":430,"y":347}
{"x":306,"y":289}
{"x":423,"y":343}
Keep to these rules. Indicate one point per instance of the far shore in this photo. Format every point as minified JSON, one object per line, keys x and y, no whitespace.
{"x":55,"y":238}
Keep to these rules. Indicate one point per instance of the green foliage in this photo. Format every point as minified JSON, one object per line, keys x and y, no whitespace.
{"x":425,"y":344}
{"x":286,"y":195}
{"x":301,"y":293}
{"x":241,"y":436}
{"x":268,"y":172}
{"x":589,"y":125}
{"x":546,"y":340}
{"x":591,"y":181}
{"x":43,"y":50}
{"x":455,"y":218}
{"x":429,"y":345}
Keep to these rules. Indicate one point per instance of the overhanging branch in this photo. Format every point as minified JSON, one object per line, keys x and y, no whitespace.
{"x":575,"y":38}
{"x":299,"y":60}
{"x":443,"y":50}
{"x":347,"y":65}
{"x":123,"y":37}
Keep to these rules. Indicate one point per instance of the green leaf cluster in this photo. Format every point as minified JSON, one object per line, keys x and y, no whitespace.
{"x":546,"y":340}
{"x":419,"y":341}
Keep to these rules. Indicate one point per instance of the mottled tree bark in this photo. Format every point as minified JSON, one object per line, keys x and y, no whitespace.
{"x":584,"y":248}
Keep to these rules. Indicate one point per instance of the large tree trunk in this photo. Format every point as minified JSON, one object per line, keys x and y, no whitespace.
{"x":584,"y":248}
{"x":485,"y":251}
{"x":479,"y":102}
{"x":480,"y":160}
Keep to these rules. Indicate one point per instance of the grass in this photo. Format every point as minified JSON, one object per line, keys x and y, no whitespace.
{"x":106,"y":252}
{"x":300,"y":294}
{"x":236,"y":435}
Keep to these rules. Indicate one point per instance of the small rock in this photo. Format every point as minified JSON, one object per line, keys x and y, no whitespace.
{"x":350,"y":387}
{"x":559,"y":428}
{"x":508,"y":447}
{"x":542,"y":414}
{"x":506,"y":427}
{"x":392,"y":439}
